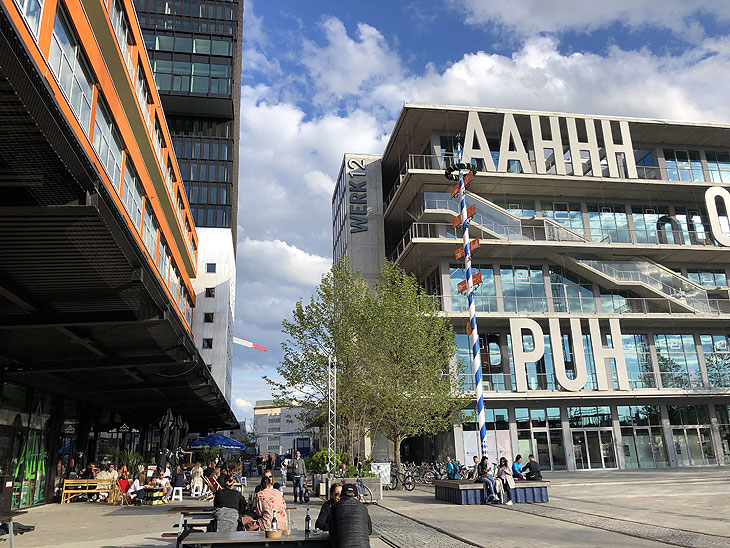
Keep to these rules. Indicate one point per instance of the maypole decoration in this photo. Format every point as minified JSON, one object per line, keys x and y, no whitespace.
{"x":464,"y":173}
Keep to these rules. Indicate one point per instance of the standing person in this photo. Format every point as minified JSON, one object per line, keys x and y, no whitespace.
{"x":484,"y":474}
{"x":299,"y":472}
{"x":505,"y":476}
{"x":285,"y":469}
{"x":260,"y":464}
{"x":532,"y":469}
{"x":452,"y":469}
{"x":323,"y":519}
{"x":517,"y":468}
{"x":350,"y":525}
{"x":269,"y":503}
{"x":178,"y":477}
{"x":269,"y":461}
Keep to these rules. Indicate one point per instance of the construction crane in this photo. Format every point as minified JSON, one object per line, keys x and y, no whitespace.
{"x":243,"y":342}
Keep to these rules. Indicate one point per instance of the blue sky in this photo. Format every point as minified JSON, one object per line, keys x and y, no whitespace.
{"x":324,"y":78}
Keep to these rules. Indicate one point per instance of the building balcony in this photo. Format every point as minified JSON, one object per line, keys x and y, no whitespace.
{"x":419,"y":173}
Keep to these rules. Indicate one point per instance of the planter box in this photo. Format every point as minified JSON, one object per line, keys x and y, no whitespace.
{"x":468,"y":492}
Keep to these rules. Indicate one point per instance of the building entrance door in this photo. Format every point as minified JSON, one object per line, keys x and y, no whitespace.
{"x":594,"y":449}
{"x":693,"y":446}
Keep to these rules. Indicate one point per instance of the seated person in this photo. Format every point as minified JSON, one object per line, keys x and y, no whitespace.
{"x":452,"y":469}
{"x":269,"y":503}
{"x":484,"y":475}
{"x":136,"y":490}
{"x":229,"y":507}
{"x":350,"y":525}
{"x":532,"y":469}
{"x":471,"y":473}
{"x":517,"y":473}
{"x":262,"y":485}
{"x":164,"y":482}
{"x":323,"y":519}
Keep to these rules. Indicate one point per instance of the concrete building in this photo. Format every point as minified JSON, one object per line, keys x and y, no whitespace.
{"x":195,"y":51}
{"x":97,"y":252}
{"x":604,"y":250}
{"x":279,"y":430}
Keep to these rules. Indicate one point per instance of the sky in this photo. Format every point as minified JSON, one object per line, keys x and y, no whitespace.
{"x":321,"y":79}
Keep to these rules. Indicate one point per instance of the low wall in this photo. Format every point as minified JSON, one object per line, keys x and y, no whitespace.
{"x":469,"y":492}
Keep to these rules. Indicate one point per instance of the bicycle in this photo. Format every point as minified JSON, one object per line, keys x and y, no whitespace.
{"x":404,"y":478}
{"x":365,"y":495}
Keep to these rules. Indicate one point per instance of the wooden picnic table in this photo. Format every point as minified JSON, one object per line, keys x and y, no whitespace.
{"x":9,"y":517}
{"x":257,"y":538}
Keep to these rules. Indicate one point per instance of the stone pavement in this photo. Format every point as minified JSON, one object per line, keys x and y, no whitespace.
{"x":641,"y":509}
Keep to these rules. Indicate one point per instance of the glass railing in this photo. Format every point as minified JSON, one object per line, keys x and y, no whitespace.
{"x":653,"y":275}
{"x":457,"y":303}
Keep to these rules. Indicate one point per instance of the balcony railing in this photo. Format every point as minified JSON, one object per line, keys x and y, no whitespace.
{"x":440,"y":163}
{"x":606,"y":304}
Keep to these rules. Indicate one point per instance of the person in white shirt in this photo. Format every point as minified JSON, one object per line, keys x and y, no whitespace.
{"x":164,"y":482}
{"x":136,"y":491}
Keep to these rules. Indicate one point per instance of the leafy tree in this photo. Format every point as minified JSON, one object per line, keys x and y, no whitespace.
{"x":328,"y":327}
{"x":410,"y":345}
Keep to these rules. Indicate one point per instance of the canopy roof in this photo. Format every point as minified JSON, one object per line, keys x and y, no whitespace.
{"x":217,"y":440}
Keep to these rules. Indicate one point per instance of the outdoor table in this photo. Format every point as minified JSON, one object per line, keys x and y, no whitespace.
{"x":9,"y":516}
{"x":257,"y":538}
{"x":200,"y":512}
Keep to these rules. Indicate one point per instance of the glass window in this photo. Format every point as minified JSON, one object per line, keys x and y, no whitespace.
{"x":683,"y":165}
{"x":718,"y":164}
{"x":202,"y":46}
{"x":69,"y":65}
{"x":174,"y":283}
{"x":608,"y":223}
{"x":107,"y":143}
{"x":708,"y":277}
{"x":517,"y":207}
{"x":695,"y":224}
{"x":484,"y":294}
{"x":163,"y":261}
{"x":132,"y":194}
{"x":32,"y":12}
{"x":567,"y":214}
{"x":678,"y":362}
{"x":120,"y":24}
{"x":220,"y":47}
{"x":652,"y":225}
{"x":571,"y":293}
{"x":183,"y":44}
{"x":638,"y":361}
{"x":150,"y":231}
{"x":210,"y":268}
{"x":717,"y":359}
{"x":207,"y":343}
{"x":523,"y":288}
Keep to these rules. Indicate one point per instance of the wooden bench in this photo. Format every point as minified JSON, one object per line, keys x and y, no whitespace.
{"x":469,"y":492}
{"x":76,"y":487}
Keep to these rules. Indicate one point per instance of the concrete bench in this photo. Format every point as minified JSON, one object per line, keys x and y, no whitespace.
{"x":469,"y":492}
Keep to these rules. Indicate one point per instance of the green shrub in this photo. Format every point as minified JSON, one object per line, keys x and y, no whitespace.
{"x":317,"y":463}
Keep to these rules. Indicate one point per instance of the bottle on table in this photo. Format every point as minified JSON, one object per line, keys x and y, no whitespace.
{"x":307,"y":523}
{"x":274,"y":525}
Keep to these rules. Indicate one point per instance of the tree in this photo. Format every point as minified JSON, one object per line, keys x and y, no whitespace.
{"x":328,"y":327}
{"x":410,"y":345}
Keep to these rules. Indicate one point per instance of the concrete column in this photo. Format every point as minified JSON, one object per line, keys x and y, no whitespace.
{"x":668,"y":438}
{"x":548,"y":288}
{"x":584,"y":211}
{"x":701,"y":359}
{"x":498,"y":287}
{"x":513,"y":431}
{"x":459,"y":442}
{"x":630,"y":224}
{"x":654,"y":359}
{"x":567,"y":439}
{"x":620,"y":457}
{"x":715,"y":433}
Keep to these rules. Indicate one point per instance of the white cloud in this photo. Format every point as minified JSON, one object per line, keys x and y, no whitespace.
{"x":533,"y":16}
{"x":278,"y":262}
{"x":345,"y":65}
{"x":243,"y":405}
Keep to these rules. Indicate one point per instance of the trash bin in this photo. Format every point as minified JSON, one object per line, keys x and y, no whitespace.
{"x":382,"y":470}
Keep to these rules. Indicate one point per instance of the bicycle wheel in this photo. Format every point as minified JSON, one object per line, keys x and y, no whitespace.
{"x":366,"y":495}
{"x":428,"y":477}
{"x":393,"y":482}
{"x":409,"y":483}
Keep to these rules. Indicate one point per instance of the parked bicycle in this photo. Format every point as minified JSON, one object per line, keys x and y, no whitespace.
{"x":365,"y":495}
{"x":402,"y":476}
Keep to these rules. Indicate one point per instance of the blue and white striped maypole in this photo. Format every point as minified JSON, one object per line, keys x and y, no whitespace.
{"x":476,"y":354}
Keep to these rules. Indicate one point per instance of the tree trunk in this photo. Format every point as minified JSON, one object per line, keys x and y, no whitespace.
{"x":397,"y":443}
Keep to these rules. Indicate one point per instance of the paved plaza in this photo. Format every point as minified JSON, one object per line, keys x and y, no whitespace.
{"x":603,"y":509}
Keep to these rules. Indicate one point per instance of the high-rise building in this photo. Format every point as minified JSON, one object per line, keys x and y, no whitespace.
{"x":604,"y":254}
{"x":97,"y":252}
{"x":194,"y":47}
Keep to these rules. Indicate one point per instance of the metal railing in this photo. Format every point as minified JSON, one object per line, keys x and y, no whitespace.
{"x":653,"y":275}
{"x":606,"y":304}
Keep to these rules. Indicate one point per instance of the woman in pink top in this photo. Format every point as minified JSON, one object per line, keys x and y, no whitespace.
{"x":269,"y":503}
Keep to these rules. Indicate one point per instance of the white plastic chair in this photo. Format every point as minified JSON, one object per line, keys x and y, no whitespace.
{"x":196,"y":490}
{"x":177,"y":494}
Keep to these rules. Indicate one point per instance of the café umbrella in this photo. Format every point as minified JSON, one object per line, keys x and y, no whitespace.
{"x":217,"y":440}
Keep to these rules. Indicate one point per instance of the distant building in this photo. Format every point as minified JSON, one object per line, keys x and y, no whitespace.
{"x":279,"y":431}
{"x":239,"y":435}
{"x":604,"y":256}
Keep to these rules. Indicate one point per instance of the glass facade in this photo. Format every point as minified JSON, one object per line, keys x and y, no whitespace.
{"x":193,"y":46}
{"x":679,"y":365}
{"x":642,"y":437}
